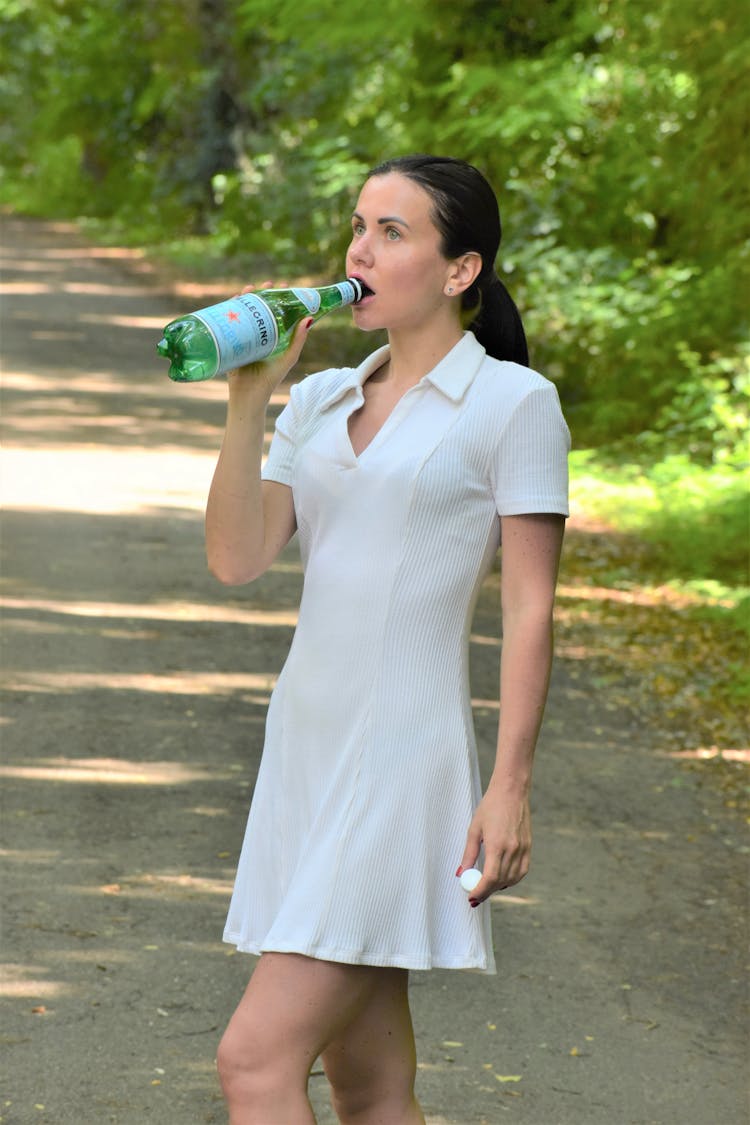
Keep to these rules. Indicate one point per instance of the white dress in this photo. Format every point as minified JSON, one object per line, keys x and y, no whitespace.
{"x":369,"y":774}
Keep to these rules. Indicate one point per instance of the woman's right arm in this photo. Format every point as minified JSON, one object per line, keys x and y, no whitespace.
{"x":249,"y":521}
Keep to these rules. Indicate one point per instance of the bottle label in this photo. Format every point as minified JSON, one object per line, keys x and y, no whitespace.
{"x":244,"y":330}
{"x":347,"y":291}
{"x":310,"y":298}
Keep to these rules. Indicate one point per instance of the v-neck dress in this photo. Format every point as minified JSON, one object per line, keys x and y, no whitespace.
{"x":369,"y":775}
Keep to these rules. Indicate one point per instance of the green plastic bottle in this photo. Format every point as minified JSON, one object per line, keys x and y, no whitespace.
{"x":246,"y":328}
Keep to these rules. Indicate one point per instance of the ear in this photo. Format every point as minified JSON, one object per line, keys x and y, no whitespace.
{"x":462,"y":273}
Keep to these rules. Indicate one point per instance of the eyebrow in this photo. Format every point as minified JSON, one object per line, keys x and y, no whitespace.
{"x":386,"y":219}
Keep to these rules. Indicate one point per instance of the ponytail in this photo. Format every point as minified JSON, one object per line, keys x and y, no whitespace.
{"x":497,"y":322}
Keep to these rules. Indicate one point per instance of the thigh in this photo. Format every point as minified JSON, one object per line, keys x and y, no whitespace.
{"x":294,"y":1006}
{"x":375,"y":1051}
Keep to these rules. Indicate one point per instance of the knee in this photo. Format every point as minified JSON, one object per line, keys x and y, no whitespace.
{"x":253,"y":1072}
{"x":358,"y":1092}
{"x":241,"y":1067}
{"x":233,"y":1060}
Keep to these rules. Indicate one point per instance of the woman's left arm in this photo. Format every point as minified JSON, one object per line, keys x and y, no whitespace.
{"x":531,"y":546}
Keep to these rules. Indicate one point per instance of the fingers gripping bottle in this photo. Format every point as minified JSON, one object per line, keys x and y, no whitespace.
{"x":246,"y":328}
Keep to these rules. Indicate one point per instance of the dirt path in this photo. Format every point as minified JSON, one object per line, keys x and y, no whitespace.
{"x":134,"y":709}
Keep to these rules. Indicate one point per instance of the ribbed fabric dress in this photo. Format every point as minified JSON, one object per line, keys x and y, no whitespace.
{"x":369,"y":775}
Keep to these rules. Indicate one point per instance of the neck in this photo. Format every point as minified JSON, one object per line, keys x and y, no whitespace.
{"x":413,"y":354}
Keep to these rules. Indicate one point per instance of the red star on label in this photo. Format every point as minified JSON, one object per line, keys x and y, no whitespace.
{"x":233,"y":316}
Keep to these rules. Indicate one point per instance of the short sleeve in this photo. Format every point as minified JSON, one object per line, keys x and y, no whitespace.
{"x":529,"y":468}
{"x":279,"y":465}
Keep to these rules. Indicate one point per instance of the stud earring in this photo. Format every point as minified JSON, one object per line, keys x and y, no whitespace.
{"x":450,"y":288}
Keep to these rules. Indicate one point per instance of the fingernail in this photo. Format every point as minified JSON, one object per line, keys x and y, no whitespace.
{"x":474,"y":902}
{"x":458,"y":872}
{"x":309,"y":324}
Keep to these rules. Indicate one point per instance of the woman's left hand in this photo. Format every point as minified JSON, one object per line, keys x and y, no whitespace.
{"x":502,"y":823}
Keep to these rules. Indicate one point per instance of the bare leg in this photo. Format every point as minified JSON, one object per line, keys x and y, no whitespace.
{"x":372,"y":1065}
{"x":292,"y":1008}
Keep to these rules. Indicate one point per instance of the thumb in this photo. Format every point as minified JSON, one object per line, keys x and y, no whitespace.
{"x":471,"y":851}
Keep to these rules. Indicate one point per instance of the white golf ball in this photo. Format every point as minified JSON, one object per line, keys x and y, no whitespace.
{"x":470,"y":878}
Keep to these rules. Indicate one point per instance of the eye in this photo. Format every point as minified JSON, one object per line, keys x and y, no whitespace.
{"x":392,"y":234}
{"x":358,"y":227}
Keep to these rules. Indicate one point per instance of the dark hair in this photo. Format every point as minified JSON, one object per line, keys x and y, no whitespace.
{"x":466,"y":214}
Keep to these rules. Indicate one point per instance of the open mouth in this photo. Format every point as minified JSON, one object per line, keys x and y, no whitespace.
{"x":365,"y":290}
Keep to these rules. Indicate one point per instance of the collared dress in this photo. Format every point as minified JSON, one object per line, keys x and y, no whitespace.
{"x":369,"y":774}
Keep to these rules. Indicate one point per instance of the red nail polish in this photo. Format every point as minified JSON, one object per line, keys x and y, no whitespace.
{"x":473,"y":903}
{"x":460,"y":869}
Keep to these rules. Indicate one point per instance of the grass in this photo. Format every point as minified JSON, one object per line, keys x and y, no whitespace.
{"x":694,"y":522}
{"x":694,"y":517}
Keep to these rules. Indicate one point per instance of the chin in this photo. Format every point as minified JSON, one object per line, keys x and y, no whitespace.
{"x":359,"y":316}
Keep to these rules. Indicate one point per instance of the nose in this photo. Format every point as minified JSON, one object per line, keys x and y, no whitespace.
{"x":360,"y":251}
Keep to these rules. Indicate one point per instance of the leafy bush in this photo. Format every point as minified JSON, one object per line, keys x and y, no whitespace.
{"x":695,"y":517}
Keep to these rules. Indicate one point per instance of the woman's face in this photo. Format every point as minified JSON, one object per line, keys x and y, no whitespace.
{"x":395,"y":250}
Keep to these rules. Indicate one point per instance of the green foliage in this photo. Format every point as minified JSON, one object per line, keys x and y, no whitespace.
{"x":57,"y":175}
{"x":614,"y":130}
{"x":696,"y":523}
{"x":696,"y":518}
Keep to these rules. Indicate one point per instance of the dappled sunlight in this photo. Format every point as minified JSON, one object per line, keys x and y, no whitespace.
{"x":504,"y":899}
{"x":258,"y":685}
{"x":89,"y":425}
{"x":86,"y":425}
{"x":158,"y":611}
{"x":46,"y":254}
{"x":25,"y":288}
{"x":649,"y":596}
{"x":105,"y":481}
{"x":26,"y":626}
{"x":38,"y":262}
{"x":99,"y":383}
{"x":114,"y":771}
{"x":608,"y":593}
{"x":97,"y":289}
{"x":486,"y":704}
{"x":149,"y":885}
{"x":281,"y":567}
{"x":175,"y":886}
{"x":710,"y":754}
{"x":153,"y":323}
{"x":580,"y":652}
{"x":81,"y":288}
{"x":19,"y":981}
{"x":487,"y":642}
{"x":30,"y":855}
{"x":113,"y":382}
{"x":56,"y":335}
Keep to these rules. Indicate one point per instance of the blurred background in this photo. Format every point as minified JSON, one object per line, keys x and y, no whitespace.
{"x":228,"y":138}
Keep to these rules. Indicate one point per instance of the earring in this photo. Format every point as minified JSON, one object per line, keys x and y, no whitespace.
{"x":450,"y":289}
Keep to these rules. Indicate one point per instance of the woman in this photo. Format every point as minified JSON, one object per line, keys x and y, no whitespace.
{"x":399,"y":477}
